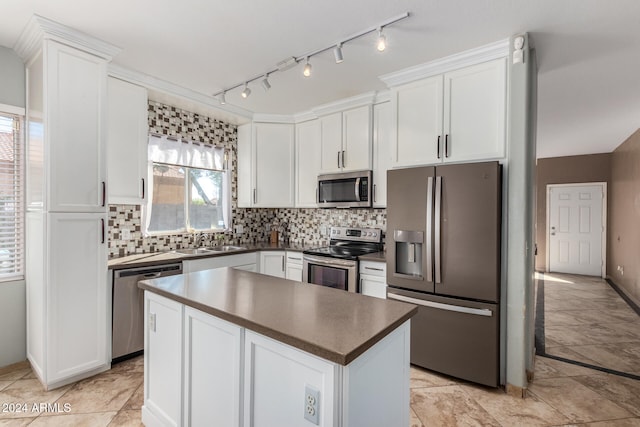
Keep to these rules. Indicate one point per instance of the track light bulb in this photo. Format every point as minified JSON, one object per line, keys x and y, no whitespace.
{"x":307,"y":69}
{"x":265,"y":83}
{"x":223,"y":100}
{"x":337,"y":52}
{"x":382,"y":41}
{"x":246,"y":92}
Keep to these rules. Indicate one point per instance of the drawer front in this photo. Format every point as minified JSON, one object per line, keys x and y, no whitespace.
{"x":373,"y":268}
{"x":294,"y":257}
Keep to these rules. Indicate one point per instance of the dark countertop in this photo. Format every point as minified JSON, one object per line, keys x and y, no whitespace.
{"x":157,"y":258}
{"x":376,"y":256}
{"x":329,"y":323}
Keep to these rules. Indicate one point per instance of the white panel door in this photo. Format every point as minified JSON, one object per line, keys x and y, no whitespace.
{"x":382,"y":152}
{"x":274,"y":154}
{"x":576,"y":227}
{"x":76,"y":103}
{"x":331,"y":143}
{"x":308,"y":152}
{"x":77,"y":295}
{"x":213,"y":370}
{"x":272,"y":263}
{"x":127,"y":137}
{"x":474,"y":112}
{"x":417,"y":122}
{"x":356,"y":139}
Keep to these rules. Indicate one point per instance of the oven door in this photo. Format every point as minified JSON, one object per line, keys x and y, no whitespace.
{"x":331,"y":272}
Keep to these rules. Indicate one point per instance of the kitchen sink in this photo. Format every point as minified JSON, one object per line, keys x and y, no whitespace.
{"x":193,"y":251}
{"x":226,"y":248}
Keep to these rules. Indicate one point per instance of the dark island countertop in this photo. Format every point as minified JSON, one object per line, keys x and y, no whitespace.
{"x":329,"y":323}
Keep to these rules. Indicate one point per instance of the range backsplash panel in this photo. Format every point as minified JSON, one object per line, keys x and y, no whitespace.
{"x":304,"y":226}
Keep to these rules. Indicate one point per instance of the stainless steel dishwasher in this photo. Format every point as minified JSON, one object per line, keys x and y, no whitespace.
{"x":127,"y":337}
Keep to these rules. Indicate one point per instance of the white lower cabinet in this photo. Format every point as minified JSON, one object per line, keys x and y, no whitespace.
{"x":163,"y":361}
{"x":294,"y":266}
{"x":245,"y":261}
{"x":67,"y":296}
{"x":273,"y":263}
{"x":200,"y":370}
{"x":212,"y":370}
{"x":373,"y":279}
{"x":277,"y":378}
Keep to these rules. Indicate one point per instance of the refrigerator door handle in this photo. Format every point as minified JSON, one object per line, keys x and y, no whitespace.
{"x":440,"y":306}
{"x":437,"y":231}
{"x":429,"y":229}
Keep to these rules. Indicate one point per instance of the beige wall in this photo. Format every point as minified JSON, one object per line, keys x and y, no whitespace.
{"x":624,"y":219}
{"x":564,"y":170}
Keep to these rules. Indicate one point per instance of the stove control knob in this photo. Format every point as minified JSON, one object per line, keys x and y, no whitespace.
{"x":375,"y":234}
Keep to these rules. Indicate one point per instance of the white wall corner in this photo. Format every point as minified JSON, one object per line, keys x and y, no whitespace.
{"x":39,"y":28}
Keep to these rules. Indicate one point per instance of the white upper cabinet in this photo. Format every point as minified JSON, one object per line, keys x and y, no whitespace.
{"x":346,"y":140}
{"x":331,"y":143}
{"x":417,"y":120}
{"x":356,"y":139}
{"x":127,"y":137}
{"x":382,"y":152}
{"x":475,"y":109}
{"x":75,"y":99}
{"x":307,"y":163}
{"x":269,"y":157}
{"x":455,"y":117}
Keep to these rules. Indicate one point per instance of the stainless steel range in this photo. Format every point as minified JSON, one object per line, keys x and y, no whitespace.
{"x":336,"y":265}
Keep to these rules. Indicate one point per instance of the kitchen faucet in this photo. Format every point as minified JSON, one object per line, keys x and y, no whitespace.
{"x":199,"y":238}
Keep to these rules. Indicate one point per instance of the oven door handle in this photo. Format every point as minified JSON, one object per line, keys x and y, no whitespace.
{"x":329,"y":261}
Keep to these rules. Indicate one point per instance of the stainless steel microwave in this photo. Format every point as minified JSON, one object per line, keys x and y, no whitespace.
{"x":345,"y":190}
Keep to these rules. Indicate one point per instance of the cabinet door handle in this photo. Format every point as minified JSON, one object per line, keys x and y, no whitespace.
{"x":343,"y":159}
{"x":374,"y":268}
{"x":374,"y":193}
{"x":282,"y":263}
{"x":104,"y":194}
{"x":446,"y":145}
{"x":102,"y":226}
{"x":255,"y":196}
{"x":143,"y":189}
{"x":438,"y":147}
{"x":338,"y":159}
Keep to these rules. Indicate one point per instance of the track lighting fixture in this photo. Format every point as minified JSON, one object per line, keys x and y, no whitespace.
{"x":382,"y":41}
{"x":337,"y":52}
{"x":307,"y":69}
{"x":246,"y":92}
{"x":265,"y":83}
{"x":290,"y":62}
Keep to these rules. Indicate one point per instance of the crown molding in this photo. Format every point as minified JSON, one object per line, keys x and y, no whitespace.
{"x":39,"y":28}
{"x":499,"y":49}
{"x":304,"y":116}
{"x":156,"y":84}
{"x":382,"y":96}
{"x":273,"y":118}
{"x":345,"y":104}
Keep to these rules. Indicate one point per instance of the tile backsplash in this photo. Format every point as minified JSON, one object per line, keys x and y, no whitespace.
{"x":304,"y":226}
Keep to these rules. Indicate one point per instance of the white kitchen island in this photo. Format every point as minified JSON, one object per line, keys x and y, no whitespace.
{"x":227,"y":347}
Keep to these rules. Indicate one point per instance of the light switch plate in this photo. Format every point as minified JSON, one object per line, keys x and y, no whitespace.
{"x":125,"y":234}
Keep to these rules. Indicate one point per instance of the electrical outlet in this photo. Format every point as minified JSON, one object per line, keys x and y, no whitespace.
{"x":125,"y":234}
{"x":323,"y":230}
{"x":311,"y":404}
{"x":239,"y":229}
{"x":267,"y":227}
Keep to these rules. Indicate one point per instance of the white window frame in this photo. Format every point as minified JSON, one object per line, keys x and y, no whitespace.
{"x":19,"y":182}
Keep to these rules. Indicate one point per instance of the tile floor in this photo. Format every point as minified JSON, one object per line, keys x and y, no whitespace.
{"x":586,"y":320}
{"x":561,"y":394}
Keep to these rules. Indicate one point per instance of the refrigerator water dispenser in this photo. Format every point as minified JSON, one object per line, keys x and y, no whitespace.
{"x":409,"y":246}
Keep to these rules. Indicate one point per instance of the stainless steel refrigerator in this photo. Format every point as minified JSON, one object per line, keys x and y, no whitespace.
{"x":443,"y":254}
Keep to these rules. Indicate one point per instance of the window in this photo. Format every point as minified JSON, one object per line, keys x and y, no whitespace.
{"x":190,"y":188}
{"x":11,"y":199}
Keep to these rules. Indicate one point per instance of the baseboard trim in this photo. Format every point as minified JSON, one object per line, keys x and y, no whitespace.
{"x":516,"y":391}
{"x":624,"y":295}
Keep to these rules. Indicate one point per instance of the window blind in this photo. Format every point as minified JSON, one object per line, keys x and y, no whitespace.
{"x":11,"y":198}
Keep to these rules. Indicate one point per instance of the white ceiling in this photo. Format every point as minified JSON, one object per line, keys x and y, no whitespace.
{"x":588,"y":50}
